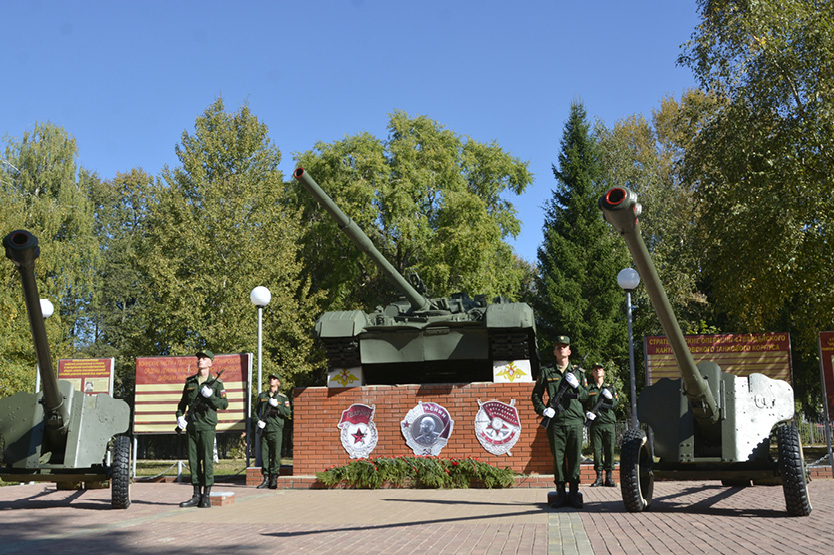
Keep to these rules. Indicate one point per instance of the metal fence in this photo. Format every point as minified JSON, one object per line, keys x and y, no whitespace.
{"x":811,"y":433}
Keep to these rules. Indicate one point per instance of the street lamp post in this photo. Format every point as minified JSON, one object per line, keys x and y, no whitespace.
{"x":628,"y":279}
{"x":47,"y":309}
{"x":260,"y":297}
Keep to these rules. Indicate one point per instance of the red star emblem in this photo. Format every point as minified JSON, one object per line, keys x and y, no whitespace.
{"x":359,"y":436}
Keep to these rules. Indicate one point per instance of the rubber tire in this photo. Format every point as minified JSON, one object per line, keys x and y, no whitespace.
{"x":636,"y":477}
{"x":792,"y":469}
{"x":120,"y":478}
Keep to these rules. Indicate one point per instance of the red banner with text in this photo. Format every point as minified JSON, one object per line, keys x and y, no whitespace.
{"x":741,"y":354}
{"x":159,"y":384}
{"x":90,"y":375}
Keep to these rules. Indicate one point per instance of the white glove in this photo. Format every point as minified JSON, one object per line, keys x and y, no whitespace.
{"x":206,"y":391}
{"x":549,"y":412}
{"x":590,"y":416}
{"x":571,"y":379}
{"x":273,"y":402}
{"x":181,"y":422}
{"x":607,"y":394}
{"x":261,"y":424}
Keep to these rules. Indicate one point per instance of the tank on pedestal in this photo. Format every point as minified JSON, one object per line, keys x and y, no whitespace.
{"x":417,"y":339}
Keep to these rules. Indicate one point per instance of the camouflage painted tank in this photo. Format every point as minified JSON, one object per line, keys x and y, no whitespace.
{"x":416,"y":339}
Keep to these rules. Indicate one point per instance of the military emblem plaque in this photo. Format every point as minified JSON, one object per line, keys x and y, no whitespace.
{"x":497,"y":426}
{"x":358,"y":431}
{"x":427,"y":428}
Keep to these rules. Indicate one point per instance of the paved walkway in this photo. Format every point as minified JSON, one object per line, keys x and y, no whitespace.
{"x":686,"y":517}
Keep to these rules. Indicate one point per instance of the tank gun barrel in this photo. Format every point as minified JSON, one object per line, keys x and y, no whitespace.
{"x":351,"y":229}
{"x":22,"y":249}
{"x":621,"y":209}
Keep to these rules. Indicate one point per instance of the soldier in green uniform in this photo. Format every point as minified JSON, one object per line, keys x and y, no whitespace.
{"x":272,"y":409}
{"x":603,"y":398}
{"x":202,"y":396}
{"x":567,"y":423}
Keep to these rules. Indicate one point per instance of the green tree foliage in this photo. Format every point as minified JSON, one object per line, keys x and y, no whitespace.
{"x":216,"y":230}
{"x":120,"y":315}
{"x":580,"y":256}
{"x":429,"y":199}
{"x":762,"y":165}
{"x":42,"y":191}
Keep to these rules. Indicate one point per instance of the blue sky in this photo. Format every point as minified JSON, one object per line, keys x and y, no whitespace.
{"x":127,"y":78}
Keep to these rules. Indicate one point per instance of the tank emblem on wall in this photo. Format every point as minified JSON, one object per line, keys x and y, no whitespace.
{"x":427,"y":428}
{"x":345,"y":377}
{"x":497,"y":426}
{"x":358,"y":431}
{"x":509,"y":371}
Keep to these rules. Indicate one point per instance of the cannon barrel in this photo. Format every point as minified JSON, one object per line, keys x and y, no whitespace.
{"x":621,"y":209}
{"x":22,"y":249}
{"x":351,"y":229}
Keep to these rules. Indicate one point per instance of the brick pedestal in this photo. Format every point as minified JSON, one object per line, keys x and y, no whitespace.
{"x":317,"y":410}
{"x":222,"y":498}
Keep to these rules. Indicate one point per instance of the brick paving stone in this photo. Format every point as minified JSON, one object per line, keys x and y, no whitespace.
{"x":688,"y":517}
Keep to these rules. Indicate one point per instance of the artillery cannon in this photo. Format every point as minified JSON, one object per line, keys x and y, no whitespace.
{"x":709,"y":424}
{"x":437,"y":340}
{"x":59,"y":434}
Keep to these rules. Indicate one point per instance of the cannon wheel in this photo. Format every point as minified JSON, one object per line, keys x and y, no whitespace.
{"x":636,"y":477}
{"x":120,"y":480}
{"x":792,"y":469}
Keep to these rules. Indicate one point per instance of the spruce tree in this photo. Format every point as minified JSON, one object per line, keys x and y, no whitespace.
{"x":580,"y":256}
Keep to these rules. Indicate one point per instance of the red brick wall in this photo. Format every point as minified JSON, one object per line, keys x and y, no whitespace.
{"x":317,"y":410}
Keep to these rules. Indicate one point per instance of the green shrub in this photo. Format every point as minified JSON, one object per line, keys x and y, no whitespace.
{"x":417,"y":472}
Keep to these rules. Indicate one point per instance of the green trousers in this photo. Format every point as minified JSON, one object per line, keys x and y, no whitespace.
{"x":566,"y":448}
{"x":271,"y":451}
{"x":201,"y":456}
{"x":602,"y":439}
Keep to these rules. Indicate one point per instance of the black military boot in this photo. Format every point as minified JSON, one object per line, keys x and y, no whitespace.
{"x":205,"y":502}
{"x":609,"y":480}
{"x":558,"y":498}
{"x":273,"y":481}
{"x":574,"y":497}
{"x":195,"y":499}
{"x":265,"y":483}
{"x":598,"y":481}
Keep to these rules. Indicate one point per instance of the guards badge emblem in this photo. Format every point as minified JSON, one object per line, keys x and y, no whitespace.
{"x":427,"y":428}
{"x":497,"y":426}
{"x":358,"y":431}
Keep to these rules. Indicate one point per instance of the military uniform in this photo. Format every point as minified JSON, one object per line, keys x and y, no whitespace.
{"x":272,"y":434}
{"x":201,"y":414}
{"x":602,"y":431}
{"x":565,"y":429}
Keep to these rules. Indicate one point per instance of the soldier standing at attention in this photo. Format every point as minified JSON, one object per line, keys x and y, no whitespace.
{"x":567,"y":423}
{"x":272,"y":408}
{"x":602,"y":424}
{"x":202,"y":396}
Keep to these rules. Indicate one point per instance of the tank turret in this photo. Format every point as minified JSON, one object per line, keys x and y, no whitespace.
{"x":418,"y":339}
{"x":708,"y":424}
{"x":59,"y":434}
